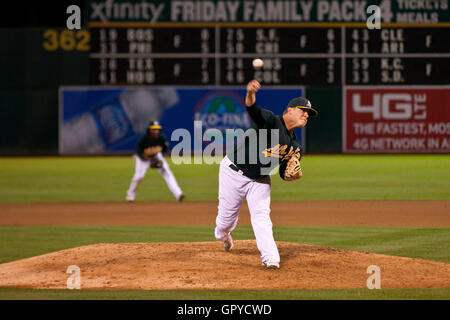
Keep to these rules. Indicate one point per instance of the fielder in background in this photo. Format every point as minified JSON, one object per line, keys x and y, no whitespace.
{"x":241,"y":178}
{"x":149,"y":154}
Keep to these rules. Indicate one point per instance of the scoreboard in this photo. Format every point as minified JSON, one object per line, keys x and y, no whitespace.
{"x":368,"y":73}
{"x":294,"y":54}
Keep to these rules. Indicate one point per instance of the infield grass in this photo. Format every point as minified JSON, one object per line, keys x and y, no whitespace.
{"x":326,"y":177}
{"x":20,"y":242}
{"x":329,"y":294}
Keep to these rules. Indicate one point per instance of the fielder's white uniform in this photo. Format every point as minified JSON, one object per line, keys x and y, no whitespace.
{"x":140,"y":171}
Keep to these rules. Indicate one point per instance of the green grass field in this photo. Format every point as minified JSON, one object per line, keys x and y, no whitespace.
{"x":333,"y":177}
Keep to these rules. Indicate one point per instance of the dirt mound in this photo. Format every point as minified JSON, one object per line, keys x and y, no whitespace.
{"x":204,"y":265}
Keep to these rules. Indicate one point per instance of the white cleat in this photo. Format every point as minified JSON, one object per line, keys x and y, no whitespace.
{"x":130,"y":198}
{"x":228,"y":243}
{"x":271,"y":264}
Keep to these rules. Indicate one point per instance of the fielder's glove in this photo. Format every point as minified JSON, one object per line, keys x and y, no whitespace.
{"x":291,"y":170}
{"x":155,"y":162}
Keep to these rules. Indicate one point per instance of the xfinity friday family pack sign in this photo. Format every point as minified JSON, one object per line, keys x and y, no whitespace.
{"x":395,"y":11}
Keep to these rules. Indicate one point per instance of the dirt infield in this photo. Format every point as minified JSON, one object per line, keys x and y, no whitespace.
{"x":304,"y":213}
{"x":205,"y":265}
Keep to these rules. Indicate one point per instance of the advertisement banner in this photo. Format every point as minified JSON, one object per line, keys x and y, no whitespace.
{"x":157,"y":11}
{"x":102,"y":120}
{"x":396,"y":119}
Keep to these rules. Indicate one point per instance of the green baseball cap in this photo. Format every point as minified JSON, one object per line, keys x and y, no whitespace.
{"x":303,"y":103}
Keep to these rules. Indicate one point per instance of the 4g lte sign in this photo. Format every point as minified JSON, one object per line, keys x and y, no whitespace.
{"x":390,"y":106}
{"x":396,"y":119}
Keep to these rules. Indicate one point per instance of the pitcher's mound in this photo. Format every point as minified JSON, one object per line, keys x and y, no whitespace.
{"x":204,"y":265}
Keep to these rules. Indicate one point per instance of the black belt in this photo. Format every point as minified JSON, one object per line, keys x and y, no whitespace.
{"x":232,"y":166}
{"x":235,"y":168}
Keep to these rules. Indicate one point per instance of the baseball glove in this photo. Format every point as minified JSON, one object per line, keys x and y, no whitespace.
{"x":291,"y":170}
{"x":155,"y":162}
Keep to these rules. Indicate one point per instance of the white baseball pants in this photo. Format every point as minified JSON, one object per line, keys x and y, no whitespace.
{"x":233,"y":188}
{"x":141,"y":169}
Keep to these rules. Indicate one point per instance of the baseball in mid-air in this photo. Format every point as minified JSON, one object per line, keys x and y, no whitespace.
{"x":258,"y":63}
